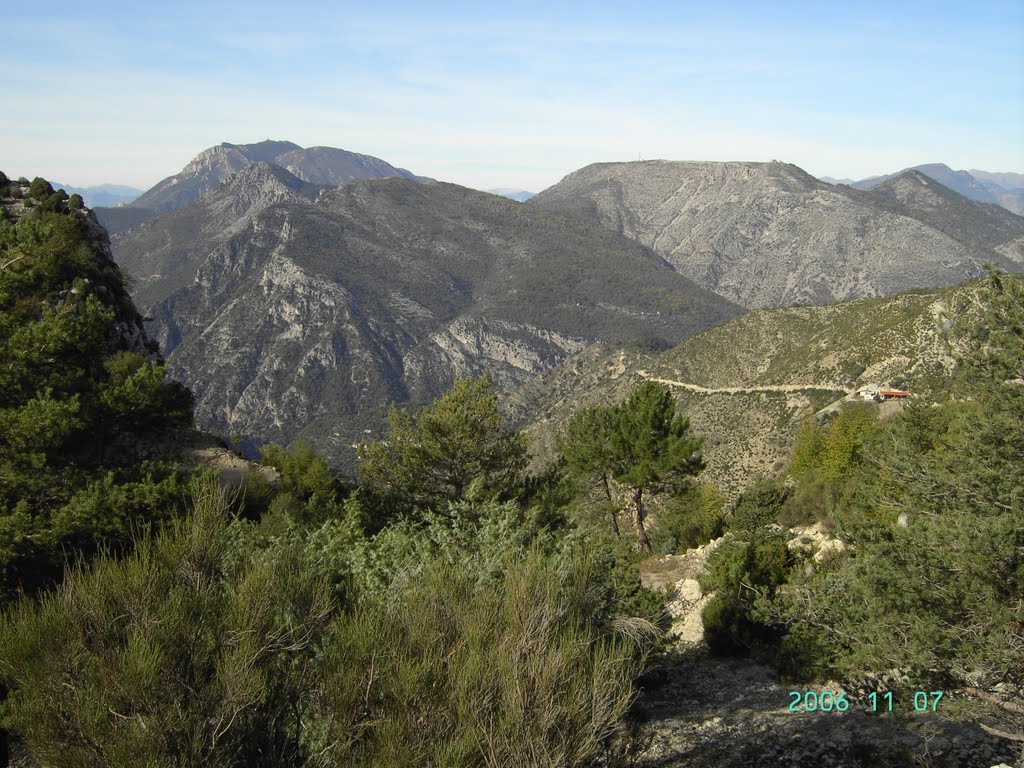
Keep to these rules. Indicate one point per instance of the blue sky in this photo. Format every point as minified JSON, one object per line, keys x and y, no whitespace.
{"x":515,"y":94}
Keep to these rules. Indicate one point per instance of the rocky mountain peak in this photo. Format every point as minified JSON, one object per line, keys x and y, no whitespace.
{"x":211,"y":167}
{"x":266,"y":177}
{"x":331,"y":166}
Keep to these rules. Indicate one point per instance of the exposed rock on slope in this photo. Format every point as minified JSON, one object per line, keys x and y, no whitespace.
{"x":311,"y":313}
{"x":162,"y":255}
{"x":766,"y":234}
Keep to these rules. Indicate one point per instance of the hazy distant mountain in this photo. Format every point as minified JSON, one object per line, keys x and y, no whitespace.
{"x":1005,"y":189}
{"x":768,"y":234}
{"x":295,"y":310}
{"x":830,"y":180}
{"x":958,"y":181}
{"x":321,"y":165}
{"x":512,"y":194}
{"x":1010,"y":181}
{"x":102,"y":194}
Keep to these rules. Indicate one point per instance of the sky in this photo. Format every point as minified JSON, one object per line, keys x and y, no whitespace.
{"x":514,"y":94}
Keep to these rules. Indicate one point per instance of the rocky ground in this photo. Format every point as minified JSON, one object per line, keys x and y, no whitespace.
{"x":703,"y":711}
{"x":699,"y":710}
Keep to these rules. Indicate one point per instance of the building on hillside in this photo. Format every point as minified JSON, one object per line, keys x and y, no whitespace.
{"x":880,"y":394}
{"x":892,"y":394}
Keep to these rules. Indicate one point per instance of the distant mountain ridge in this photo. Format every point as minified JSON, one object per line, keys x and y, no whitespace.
{"x":770,"y":234}
{"x":990,"y":230}
{"x":512,"y":194}
{"x":298,"y":310}
{"x":1003,"y":189}
{"x":102,"y":194}
{"x":317,"y":165}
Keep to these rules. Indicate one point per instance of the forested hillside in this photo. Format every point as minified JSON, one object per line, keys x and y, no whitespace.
{"x":82,"y":392}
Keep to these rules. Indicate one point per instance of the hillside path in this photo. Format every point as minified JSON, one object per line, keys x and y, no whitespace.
{"x":740,"y":390}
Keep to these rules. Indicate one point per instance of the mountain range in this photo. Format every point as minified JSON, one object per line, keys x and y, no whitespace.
{"x":300,"y":310}
{"x":298,"y":297}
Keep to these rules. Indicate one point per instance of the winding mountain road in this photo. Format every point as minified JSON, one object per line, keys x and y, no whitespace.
{"x":741,"y":390}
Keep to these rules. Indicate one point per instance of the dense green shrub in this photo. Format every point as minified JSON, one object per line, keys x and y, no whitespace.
{"x":55,"y":202}
{"x":759,"y":505}
{"x":167,"y":658}
{"x":689,"y":519}
{"x":518,"y":672}
{"x":40,"y":188}
{"x":742,"y":574}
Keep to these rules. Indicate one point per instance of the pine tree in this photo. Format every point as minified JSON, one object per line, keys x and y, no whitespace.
{"x":653,"y":451}
{"x":587,"y":449}
{"x":430,"y":460}
{"x":642,"y":445}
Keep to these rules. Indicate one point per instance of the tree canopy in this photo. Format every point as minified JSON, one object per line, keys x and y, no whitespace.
{"x":642,"y":444}
{"x":431,"y":459}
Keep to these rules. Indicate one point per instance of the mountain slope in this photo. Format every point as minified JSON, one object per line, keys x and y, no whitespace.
{"x":331,"y":167}
{"x":748,"y":382}
{"x":310,"y":315}
{"x":162,"y":255}
{"x":985,"y":228}
{"x":764,"y":234}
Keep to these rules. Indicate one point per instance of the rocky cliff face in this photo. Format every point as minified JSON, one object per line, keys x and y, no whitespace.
{"x":162,"y":255}
{"x":301,"y":311}
{"x":766,"y":234}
